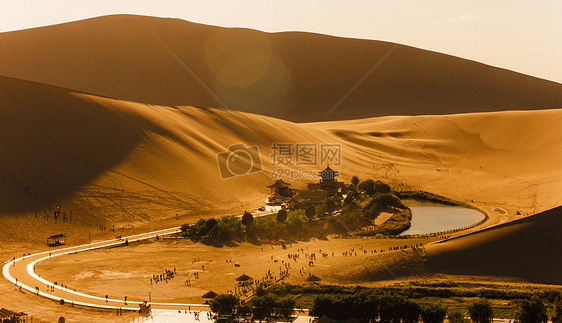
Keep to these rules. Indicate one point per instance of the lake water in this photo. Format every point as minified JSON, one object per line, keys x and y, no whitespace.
{"x":431,"y":217}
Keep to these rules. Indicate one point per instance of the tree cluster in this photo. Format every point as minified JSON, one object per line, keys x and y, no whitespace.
{"x":385,"y":308}
{"x":262,"y":306}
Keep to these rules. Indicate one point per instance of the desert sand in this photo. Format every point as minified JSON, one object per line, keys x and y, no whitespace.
{"x":111,"y":161}
{"x":132,"y":162}
{"x":526,"y":250}
{"x":117,"y":162}
{"x":292,"y":75}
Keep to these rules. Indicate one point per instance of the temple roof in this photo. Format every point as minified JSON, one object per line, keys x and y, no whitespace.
{"x":329,"y":174}
{"x":279,"y":183}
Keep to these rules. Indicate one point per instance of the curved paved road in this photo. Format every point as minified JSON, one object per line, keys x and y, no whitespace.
{"x":20,"y":271}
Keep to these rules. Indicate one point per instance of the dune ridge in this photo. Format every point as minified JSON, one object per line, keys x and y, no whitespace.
{"x":291,"y":75}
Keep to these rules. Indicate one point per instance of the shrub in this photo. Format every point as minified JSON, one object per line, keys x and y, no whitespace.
{"x":320,"y":210}
{"x":433,"y":313}
{"x":371,"y":212}
{"x":397,"y":223}
{"x":229,"y":228}
{"x":295,"y":222}
{"x":457,"y":317}
{"x":368,"y":186}
{"x":262,"y":306}
{"x":411,"y":311}
{"x":285,"y":306}
{"x":381,"y":187}
{"x":480,"y":311}
{"x":386,"y":200}
{"x":268,"y":228}
{"x":531,"y":311}
{"x":282,"y":216}
{"x":211,"y":225}
{"x":355,"y":180}
{"x":557,"y":316}
{"x":390,"y":308}
{"x":197,"y":229}
{"x":224,"y":304}
{"x":310,"y":211}
{"x":247,"y":219}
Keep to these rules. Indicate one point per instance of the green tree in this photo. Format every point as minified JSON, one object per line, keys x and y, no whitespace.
{"x":281,"y":215}
{"x":244,"y":310}
{"x":387,"y":200}
{"x":557,"y":316}
{"x":211,"y":225}
{"x":247,"y":219}
{"x":433,"y":313}
{"x":197,"y":229}
{"x":410,"y":311}
{"x":310,"y":211}
{"x":481,"y":311}
{"x":295,"y":222}
{"x":285,"y":306}
{"x":531,"y":311}
{"x":368,"y":186}
{"x":322,"y":305}
{"x":355,"y":180}
{"x":457,"y":317}
{"x":371,"y":211}
{"x":390,"y":308}
{"x":224,"y":304}
{"x":229,"y":228}
{"x":184,"y":229}
{"x":381,"y":187}
{"x":263,"y":306}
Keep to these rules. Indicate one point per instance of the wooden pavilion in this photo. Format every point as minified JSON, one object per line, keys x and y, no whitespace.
{"x":56,"y":240}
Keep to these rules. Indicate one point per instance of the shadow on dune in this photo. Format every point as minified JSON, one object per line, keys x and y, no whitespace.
{"x":52,"y":143}
{"x":528,"y":249}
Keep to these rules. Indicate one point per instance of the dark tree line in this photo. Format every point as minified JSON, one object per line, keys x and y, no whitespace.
{"x":385,"y":308}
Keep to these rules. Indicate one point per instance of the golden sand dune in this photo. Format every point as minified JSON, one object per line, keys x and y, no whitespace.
{"x":131,"y":162}
{"x":294,"y":76}
{"x":524,"y":250}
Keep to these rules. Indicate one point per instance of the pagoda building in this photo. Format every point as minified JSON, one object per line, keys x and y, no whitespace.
{"x":328,"y":182}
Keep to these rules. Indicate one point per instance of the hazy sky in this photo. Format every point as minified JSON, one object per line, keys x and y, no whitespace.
{"x":524,"y":36}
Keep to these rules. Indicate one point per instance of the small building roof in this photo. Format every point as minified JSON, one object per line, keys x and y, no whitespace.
{"x":57,"y":236}
{"x":243,"y":278}
{"x":336,"y":197}
{"x":313,"y":278}
{"x":312,"y":194}
{"x":314,"y":197}
{"x":279,"y":183}
{"x":6,"y":313}
{"x":209,"y":294}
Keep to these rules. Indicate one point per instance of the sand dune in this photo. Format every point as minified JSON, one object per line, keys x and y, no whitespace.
{"x":294,"y":76}
{"x":524,"y":250}
{"x":115,"y":161}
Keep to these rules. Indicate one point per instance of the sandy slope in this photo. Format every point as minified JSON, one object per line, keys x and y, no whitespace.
{"x":295,"y":76}
{"x":115,"y":162}
{"x":524,"y":250}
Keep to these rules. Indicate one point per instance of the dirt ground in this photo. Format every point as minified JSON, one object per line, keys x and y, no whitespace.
{"x":127,"y":271}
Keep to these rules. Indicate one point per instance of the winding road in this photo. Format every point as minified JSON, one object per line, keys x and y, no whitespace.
{"x":21,"y":272}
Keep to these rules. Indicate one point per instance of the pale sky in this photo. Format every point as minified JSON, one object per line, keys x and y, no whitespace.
{"x":524,"y":36}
